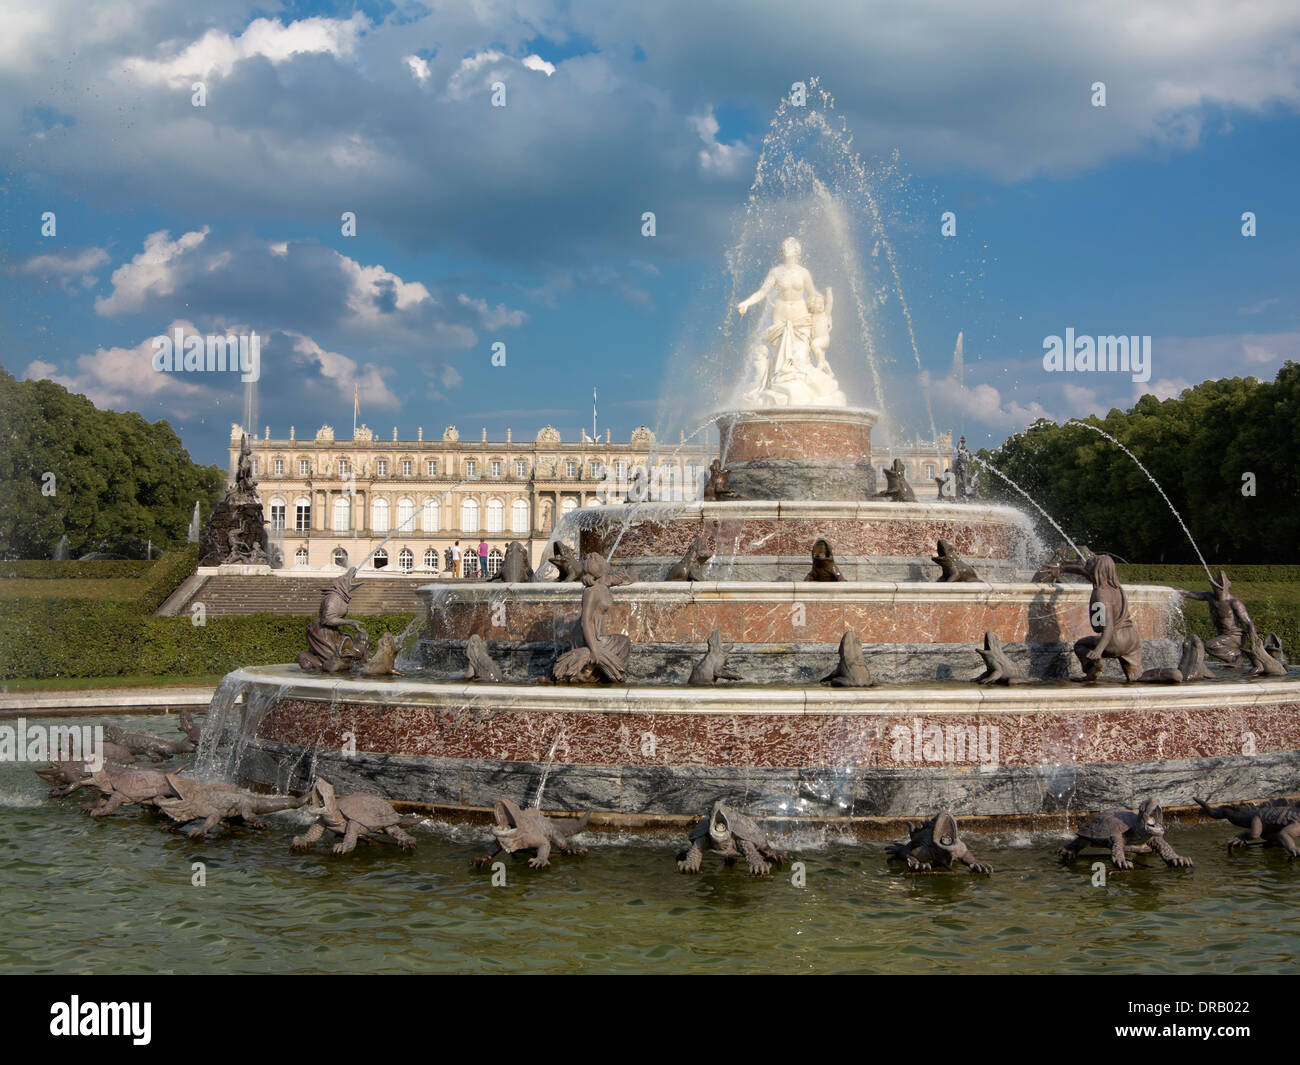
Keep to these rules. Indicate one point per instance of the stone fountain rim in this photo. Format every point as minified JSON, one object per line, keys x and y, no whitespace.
{"x":829,"y":510}
{"x":796,"y":591}
{"x":855,"y":415}
{"x":914,"y":700}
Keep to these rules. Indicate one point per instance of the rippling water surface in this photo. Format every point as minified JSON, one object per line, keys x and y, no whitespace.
{"x":116,"y":896}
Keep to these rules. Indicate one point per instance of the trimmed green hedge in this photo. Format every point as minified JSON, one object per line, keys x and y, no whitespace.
{"x":85,"y":638}
{"x":1193,"y":577}
{"x":48,"y":570}
{"x":178,"y":646}
{"x":168,"y":575}
{"x":51,"y":637}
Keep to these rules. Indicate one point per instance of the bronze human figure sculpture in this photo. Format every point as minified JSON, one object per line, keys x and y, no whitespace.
{"x":598,"y":656}
{"x":245,"y":481}
{"x":1231,"y":621}
{"x":1117,"y":636}
{"x":966,"y":476}
{"x":329,"y":648}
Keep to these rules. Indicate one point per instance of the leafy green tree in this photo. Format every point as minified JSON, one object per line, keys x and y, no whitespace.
{"x":1209,"y":449}
{"x":114,"y":475}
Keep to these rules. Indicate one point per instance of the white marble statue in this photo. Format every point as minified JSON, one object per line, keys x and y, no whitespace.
{"x":789,"y":368}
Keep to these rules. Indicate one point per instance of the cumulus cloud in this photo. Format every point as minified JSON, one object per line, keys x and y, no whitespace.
{"x":124,"y":378}
{"x":151,"y":274}
{"x":419,"y":68}
{"x":345,"y":374}
{"x":984,"y":404}
{"x":71,"y":268}
{"x":217,"y":52}
{"x":718,"y":159}
{"x":493,"y":317}
{"x":296,"y":285}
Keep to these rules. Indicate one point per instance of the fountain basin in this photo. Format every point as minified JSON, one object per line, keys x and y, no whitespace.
{"x":639,"y":753}
{"x":788,"y":632}
{"x":798,"y":453}
{"x":768,"y":540}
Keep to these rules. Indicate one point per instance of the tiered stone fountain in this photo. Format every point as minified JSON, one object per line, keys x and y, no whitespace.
{"x":653,"y":749}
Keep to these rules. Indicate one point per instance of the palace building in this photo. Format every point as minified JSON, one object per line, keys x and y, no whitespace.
{"x":329,"y":502}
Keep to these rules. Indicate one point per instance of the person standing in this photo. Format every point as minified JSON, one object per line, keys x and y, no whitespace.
{"x":455,"y":559}
{"x":482,"y":559}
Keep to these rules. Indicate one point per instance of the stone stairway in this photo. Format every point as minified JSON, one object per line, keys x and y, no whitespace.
{"x":233,"y":595}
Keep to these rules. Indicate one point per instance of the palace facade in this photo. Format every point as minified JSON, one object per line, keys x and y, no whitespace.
{"x":329,"y":503}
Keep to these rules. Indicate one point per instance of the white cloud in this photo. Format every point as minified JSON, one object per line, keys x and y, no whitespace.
{"x":345,"y":373}
{"x":419,"y":68}
{"x":1162,"y":388}
{"x":217,"y":52}
{"x":150,"y":274}
{"x":536,"y":62}
{"x":70,"y":268}
{"x":124,"y":378}
{"x":718,"y":159}
{"x":497,"y":317}
{"x":984,"y":404}
{"x":1262,"y":305}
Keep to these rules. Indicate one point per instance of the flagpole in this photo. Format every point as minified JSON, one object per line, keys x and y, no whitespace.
{"x":356,"y":407}
{"x":593,"y":413}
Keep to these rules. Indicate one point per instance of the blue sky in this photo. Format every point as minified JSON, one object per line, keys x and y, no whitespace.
{"x":522,"y":224}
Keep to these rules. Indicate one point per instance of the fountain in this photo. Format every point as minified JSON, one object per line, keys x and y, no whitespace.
{"x":844,"y":693}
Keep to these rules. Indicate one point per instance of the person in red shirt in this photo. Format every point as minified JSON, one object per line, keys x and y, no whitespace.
{"x":482,"y":559}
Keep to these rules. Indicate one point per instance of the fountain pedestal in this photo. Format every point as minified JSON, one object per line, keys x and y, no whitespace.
{"x":796,"y":453}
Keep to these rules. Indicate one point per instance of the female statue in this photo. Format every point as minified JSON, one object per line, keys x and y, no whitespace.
{"x":597,"y":653}
{"x":1108,"y":613}
{"x":800,"y":332}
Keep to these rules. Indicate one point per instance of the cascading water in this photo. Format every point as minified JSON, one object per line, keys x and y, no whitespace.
{"x":1054,"y":523}
{"x":1186,"y":531}
{"x":810,"y":183}
{"x":236,"y":710}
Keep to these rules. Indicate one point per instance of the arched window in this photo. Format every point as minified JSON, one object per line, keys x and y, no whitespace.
{"x":340,"y":557}
{"x":379,"y":519}
{"x":469,"y":515}
{"x":380,"y":559}
{"x":405,"y":560}
{"x":496,"y":516}
{"x":430,"y":515}
{"x":342,"y":514}
{"x":405,"y":515}
{"x":569,"y":506}
{"x":277,"y":513}
{"x":469,"y":563}
{"x":431,"y":560}
{"x":302,"y":514}
{"x":494,"y":562}
{"x":519,"y":516}
{"x":300,"y":557}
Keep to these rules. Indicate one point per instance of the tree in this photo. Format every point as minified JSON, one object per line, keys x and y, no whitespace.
{"x":1208,"y":449}
{"x":67,"y":468}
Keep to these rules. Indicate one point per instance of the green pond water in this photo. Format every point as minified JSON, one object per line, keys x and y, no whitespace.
{"x":79,"y":896}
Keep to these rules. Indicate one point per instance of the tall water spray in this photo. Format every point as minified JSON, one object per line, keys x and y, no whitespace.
{"x":810,"y":183}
